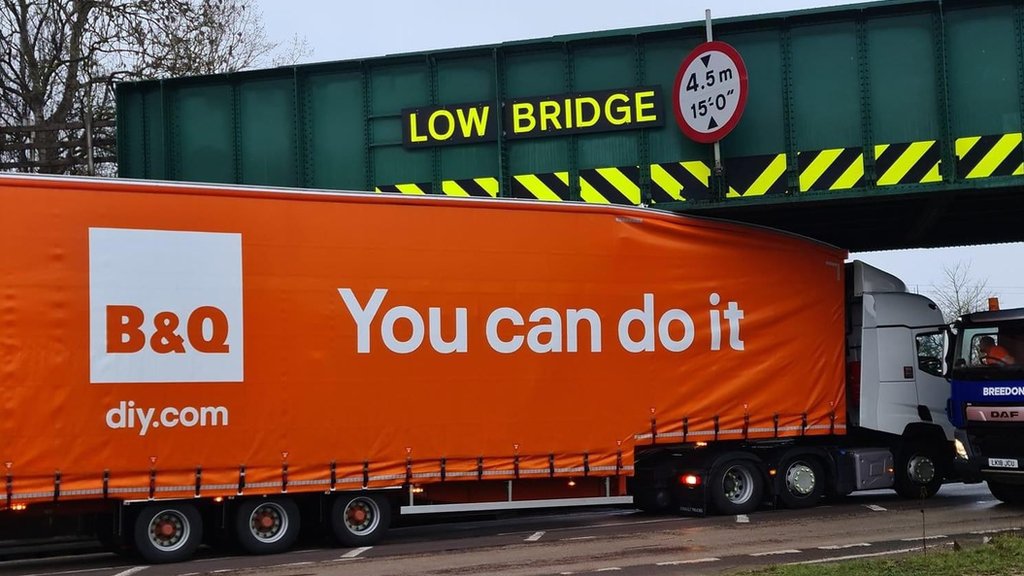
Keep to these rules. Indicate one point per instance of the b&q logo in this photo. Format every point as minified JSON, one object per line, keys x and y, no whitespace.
{"x":165,"y":306}
{"x":125,"y":335}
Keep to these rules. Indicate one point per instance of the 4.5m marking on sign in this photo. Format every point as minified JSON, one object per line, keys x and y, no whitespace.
{"x":710,"y":92}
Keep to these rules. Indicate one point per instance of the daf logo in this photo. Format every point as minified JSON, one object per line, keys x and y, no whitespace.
{"x":995,"y":413}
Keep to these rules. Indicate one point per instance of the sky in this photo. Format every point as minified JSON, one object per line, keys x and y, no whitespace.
{"x":347,"y":29}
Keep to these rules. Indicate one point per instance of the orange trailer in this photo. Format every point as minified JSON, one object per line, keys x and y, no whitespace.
{"x":166,"y":348}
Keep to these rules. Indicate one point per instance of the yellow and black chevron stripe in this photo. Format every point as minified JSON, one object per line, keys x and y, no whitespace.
{"x":755,"y":175}
{"x":616,"y":185}
{"x":477,"y":187}
{"x":988,"y":156}
{"x":907,"y":163}
{"x":415,"y":189}
{"x":831,"y":169}
{"x":680,"y":181}
{"x":549,"y":186}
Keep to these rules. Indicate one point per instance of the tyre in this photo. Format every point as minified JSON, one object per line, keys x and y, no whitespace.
{"x":360,"y":519}
{"x":736,"y":487}
{"x":1008,"y":493}
{"x":168,"y":532}
{"x":266,"y":526}
{"x":802,"y":480}
{"x":918,"y":475}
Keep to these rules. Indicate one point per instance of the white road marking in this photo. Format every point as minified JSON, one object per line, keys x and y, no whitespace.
{"x":681,"y":562}
{"x":535,"y":536}
{"x":291,"y":564}
{"x":611,"y":569}
{"x":994,"y":531}
{"x":609,"y":525}
{"x":131,"y":571}
{"x":223,"y":570}
{"x":582,"y":538}
{"x":82,"y":571}
{"x":935,"y":537}
{"x":776,"y":553}
{"x":355,"y":552}
{"x":875,"y":507}
{"x":855,"y":556}
{"x":843,"y":546}
{"x":742,"y":519}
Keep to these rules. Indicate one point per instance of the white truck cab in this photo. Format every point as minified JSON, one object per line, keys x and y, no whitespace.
{"x":897,"y":390}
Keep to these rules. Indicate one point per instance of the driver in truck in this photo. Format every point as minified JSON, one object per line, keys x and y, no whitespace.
{"x":992,"y":354}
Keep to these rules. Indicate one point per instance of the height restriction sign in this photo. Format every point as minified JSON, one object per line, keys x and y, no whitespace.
{"x":710,"y":92}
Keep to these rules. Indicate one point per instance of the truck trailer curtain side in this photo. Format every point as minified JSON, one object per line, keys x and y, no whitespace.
{"x":171,"y":340}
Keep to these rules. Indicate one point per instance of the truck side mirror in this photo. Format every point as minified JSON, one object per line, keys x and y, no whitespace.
{"x":948,"y":339}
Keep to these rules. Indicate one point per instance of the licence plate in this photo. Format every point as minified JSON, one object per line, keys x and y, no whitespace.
{"x":1003,"y":462}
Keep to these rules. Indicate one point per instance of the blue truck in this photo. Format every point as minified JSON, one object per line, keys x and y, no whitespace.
{"x":986,"y":373}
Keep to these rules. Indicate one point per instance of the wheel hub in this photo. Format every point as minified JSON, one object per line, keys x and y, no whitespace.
{"x":800,"y":479}
{"x":737,"y":485}
{"x":921,"y":469}
{"x":357,"y":515}
{"x":169,"y":531}
{"x":361,"y":516}
{"x":266,"y":521}
{"x":165,"y":529}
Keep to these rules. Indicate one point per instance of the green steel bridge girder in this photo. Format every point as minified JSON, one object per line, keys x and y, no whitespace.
{"x":871,"y":126}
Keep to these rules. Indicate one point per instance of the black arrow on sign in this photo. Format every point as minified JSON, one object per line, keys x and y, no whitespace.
{"x":705,"y":60}
{"x":712,"y":123}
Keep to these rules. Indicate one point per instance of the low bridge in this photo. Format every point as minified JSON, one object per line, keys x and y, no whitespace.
{"x":873,"y":126}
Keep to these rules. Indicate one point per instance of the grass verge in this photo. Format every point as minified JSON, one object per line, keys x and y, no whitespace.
{"x":1003,"y":556}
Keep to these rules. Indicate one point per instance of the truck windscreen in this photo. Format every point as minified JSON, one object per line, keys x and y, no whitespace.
{"x":993,"y":351}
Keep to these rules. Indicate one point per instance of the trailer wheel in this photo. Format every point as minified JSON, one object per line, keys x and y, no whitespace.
{"x":802,"y":482}
{"x":267,"y":526}
{"x":917,"y":473}
{"x":736,"y":487}
{"x":1008,"y":493}
{"x":360,"y":519}
{"x":167,"y":532}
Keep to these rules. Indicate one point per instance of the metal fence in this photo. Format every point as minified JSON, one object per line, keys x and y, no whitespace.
{"x":73,"y":147}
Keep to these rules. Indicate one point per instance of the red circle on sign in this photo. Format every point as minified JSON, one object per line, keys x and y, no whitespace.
{"x":741,"y":70}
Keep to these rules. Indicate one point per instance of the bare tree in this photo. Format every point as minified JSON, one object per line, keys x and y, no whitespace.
{"x":294,"y":51}
{"x":959,"y":293}
{"x":59,"y":59}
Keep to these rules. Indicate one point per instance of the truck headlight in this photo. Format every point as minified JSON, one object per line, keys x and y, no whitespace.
{"x":961,"y":450}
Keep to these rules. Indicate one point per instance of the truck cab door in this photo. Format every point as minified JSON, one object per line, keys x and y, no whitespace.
{"x":932,"y":387}
{"x":897,"y":401}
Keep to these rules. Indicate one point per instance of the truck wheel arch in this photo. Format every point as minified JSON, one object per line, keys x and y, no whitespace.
{"x":927,"y":442}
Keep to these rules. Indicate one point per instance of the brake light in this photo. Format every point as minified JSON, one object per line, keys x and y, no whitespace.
{"x":690,"y":480}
